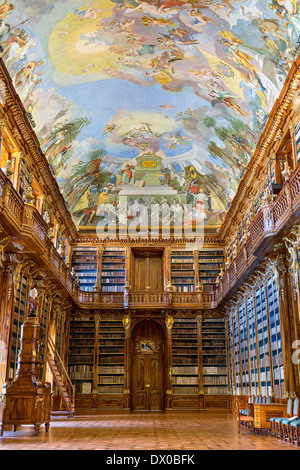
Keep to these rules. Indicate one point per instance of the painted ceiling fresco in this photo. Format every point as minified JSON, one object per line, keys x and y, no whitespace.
{"x":160,"y":100}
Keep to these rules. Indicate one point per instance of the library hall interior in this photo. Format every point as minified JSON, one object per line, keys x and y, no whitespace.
{"x":150,"y":225}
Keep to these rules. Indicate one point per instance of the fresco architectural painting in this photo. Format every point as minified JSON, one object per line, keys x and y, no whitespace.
{"x":157,"y":101}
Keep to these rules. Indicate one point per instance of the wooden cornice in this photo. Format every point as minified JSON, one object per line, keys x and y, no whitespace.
{"x":274,"y":124}
{"x":16,"y":119}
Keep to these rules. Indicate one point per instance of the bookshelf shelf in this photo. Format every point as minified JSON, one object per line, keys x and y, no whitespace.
{"x":18,"y":320}
{"x":113,"y":270}
{"x":84,"y":261}
{"x":111,"y":356}
{"x":210,"y":264}
{"x":185,"y":357}
{"x":81,"y":353}
{"x":214,"y":357}
{"x":183,"y":271}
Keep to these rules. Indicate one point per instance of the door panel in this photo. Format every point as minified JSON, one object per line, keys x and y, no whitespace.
{"x":140,"y":274}
{"x":147,"y":382}
{"x":155,"y":383}
{"x":155,"y":274}
{"x":148,"y":272}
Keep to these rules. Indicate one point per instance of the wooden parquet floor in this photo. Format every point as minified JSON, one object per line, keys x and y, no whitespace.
{"x":118,"y":430}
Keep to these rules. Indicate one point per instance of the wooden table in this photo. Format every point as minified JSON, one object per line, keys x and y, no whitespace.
{"x":263,"y":412}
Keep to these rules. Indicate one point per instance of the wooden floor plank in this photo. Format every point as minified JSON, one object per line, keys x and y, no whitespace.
{"x":118,"y":430}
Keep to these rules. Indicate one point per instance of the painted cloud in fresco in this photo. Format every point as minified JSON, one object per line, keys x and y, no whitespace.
{"x":188,"y":84}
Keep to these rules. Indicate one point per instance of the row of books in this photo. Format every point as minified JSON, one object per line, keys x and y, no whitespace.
{"x":186,"y":345}
{"x":215,"y":390}
{"x":111,"y":379}
{"x":81,"y":375}
{"x":104,"y":350}
{"x":116,"y":288}
{"x":182,"y":274}
{"x":211,"y":260}
{"x":84,"y":258}
{"x":116,"y":369}
{"x":113,"y":267}
{"x":112,"y":260}
{"x":184,"y":266}
{"x":185,"y":380}
{"x":185,"y":390}
{"x":79,"y":340}
{"x":185,"y":370}
{"x":215,"y":380}
{"x":187,"y":288}
{"x":214,"y":370}
{"x":110,"y":389}
{"x":113,"y":273}
{"x":212,"y":253}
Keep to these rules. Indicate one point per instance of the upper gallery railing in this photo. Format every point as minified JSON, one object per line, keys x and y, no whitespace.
{"x":268,"y":221}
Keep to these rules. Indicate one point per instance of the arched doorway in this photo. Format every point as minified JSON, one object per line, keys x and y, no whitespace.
{"x":147,"y":370}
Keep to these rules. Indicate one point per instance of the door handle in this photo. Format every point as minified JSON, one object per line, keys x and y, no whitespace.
{"x":147,"y":385}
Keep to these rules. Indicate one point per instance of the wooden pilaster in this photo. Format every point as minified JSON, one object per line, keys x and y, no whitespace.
{"x":96,"y":362}
{"x":127,"y":402}
{"x":168,"y":363}
{"x":200,"y":363}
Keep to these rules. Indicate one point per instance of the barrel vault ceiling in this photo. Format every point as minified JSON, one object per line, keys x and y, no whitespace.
{"x":158,"y":101}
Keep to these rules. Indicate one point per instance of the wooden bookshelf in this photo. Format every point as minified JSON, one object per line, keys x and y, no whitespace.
{"x":45,"y":311}
{"x":214,"y":356}
{"x":275,"y":335}
{"x":84,"y":261}
{"x":113,"y":270}
{"x":210,"y":264}
{"x":24,"y":177}
{"x":185,"y":357}
{"x":17,"y":322}
{"x":183,"y":270}
{"x":111,"y":356}
{"x":81,"y":353}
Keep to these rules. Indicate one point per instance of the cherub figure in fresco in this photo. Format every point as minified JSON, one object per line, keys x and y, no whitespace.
{"x":89,"y":14}
{"x":239,"y":57}
{"x":5,"y":8}
{"x":200,"y":18}
{"x":221,"y":94}
{"x":270,"y":26}
{"x":227,"y":4}
{"x":109,"y":128}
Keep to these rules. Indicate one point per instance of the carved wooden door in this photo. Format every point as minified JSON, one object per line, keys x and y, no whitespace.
{"x":147,"y":370}
{"x":147,"y":374}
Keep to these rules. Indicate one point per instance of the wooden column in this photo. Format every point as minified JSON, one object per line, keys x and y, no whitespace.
{"x":168,"y":362}
{"x":99,"y":267}
{"x":167,"y":267}
{"x":285,"y":314}
{"x":196,"y":269}
{"x":201,"y":401}
{"x":96,"y":362}
{"x":127,"y":400}
{"x":128,"y":267}
{"x":256,"y":344}
{"x":293,"y":278}
{"x":240,"y":352}
{"x":294,"y":150}
{"x":227,"y":351}
{"x":269,"y":340}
